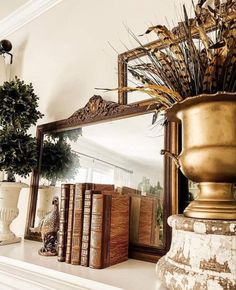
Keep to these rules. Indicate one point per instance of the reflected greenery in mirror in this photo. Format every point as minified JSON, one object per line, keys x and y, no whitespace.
{"x":69,"y":135}
{"x":194,"y":190}
{"x":59,"y":162}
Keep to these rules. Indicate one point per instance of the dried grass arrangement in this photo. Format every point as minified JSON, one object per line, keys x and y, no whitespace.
{"x":194,"y":60}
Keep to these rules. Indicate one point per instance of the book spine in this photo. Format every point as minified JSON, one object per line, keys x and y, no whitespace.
{"x":154,"y":218}
{"x":70,"y":223}
{"x":135,"y":202}
{"x":86,"y":229}
{"x":118,"y":231}
{"x":62,"y":233}
{"x":145,"y":221}
{"x":107,"y":212}
{"x":77,"y":224}
{"x":95,"y":253}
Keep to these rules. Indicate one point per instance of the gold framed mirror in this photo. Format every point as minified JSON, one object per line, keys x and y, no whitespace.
{"x":156,"y":182}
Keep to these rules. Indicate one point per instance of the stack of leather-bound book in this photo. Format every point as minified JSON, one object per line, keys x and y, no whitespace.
{"x":94,"y":225}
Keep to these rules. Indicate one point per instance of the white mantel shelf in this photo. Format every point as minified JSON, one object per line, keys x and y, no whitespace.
{"x":22,"y":268}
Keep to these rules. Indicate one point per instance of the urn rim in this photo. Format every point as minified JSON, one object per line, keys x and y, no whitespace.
{"x":171,"y":113}
{"x":9,"y":184}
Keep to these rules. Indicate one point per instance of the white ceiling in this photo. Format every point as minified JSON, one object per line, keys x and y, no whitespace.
{"x":9,"y":6}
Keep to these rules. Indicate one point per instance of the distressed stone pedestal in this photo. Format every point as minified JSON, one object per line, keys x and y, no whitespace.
{"x":202,"y":255}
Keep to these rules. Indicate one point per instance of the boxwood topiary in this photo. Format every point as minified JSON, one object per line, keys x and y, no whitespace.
{"x":18,"y":153}
{"x":59,"y":162}
{"x":18,"y":111}
{"x":18,"y":105}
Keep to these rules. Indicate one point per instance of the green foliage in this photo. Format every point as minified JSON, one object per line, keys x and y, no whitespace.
{"x":159,"y":215}
{"x":58,"y":161}
{"x":18,"y":111}
{"x":18,"y":105}
{"x":72,"y":135}
{"x":18,"y":152}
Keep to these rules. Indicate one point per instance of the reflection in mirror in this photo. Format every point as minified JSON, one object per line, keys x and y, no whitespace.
{"x":193,"y":189}
{"x":125,"y":153}
{"x":59,"y":164}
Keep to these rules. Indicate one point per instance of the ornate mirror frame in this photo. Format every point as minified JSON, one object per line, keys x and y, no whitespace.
{"x":96,"y":111}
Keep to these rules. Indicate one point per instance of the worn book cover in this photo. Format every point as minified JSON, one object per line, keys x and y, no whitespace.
{"x":86,"y":227}
{"x":78,"y":221}
{"x":62,"y":234}
{"x":147,"y":220}
{"x":70,"y":223}
{"x":109,"y":230}
{"x":85,"y":245}
{"x":135,"y":203}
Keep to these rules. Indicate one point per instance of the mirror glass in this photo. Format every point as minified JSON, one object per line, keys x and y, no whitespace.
{"x":123,"y":152}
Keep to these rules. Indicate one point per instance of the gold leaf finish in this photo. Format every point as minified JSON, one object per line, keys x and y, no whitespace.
{"x":209,"y":152}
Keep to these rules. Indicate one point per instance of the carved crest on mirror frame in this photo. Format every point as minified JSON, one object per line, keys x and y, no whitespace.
{"x":96,"y":108}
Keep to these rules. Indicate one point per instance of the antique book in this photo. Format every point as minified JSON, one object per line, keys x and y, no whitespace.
{"x":70,"y":223}
{"x":129,"y":191}
{"x":78,"y":221}
{"x":103,"y":187}
{"x":109,"y":240}
{"x":147,"y":220}
{"x":143,"y":219}
{"x":135,"y":203}
{"x":96,"y":189}
{"x":62,"y":233}
{"x":86,"y":226}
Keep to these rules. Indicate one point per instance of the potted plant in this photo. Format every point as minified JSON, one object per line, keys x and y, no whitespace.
{"x":59,"y":162}
{"x":194,"y":81}
{"x":18,"y":150}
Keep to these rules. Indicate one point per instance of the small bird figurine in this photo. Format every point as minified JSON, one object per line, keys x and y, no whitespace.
{"x":48,"y":228}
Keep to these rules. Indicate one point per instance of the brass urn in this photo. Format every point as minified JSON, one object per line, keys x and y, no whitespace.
{"x":208,"y":154}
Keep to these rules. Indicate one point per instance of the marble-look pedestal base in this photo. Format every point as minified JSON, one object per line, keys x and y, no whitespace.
{"x":202,"y":255}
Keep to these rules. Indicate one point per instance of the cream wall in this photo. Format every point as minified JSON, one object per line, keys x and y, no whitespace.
{"x":65,"y":53}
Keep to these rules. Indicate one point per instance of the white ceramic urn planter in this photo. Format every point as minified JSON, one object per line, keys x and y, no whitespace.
{"x":9,"y":195}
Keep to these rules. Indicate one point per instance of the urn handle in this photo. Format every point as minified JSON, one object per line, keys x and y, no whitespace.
{"x":173,"y":156}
